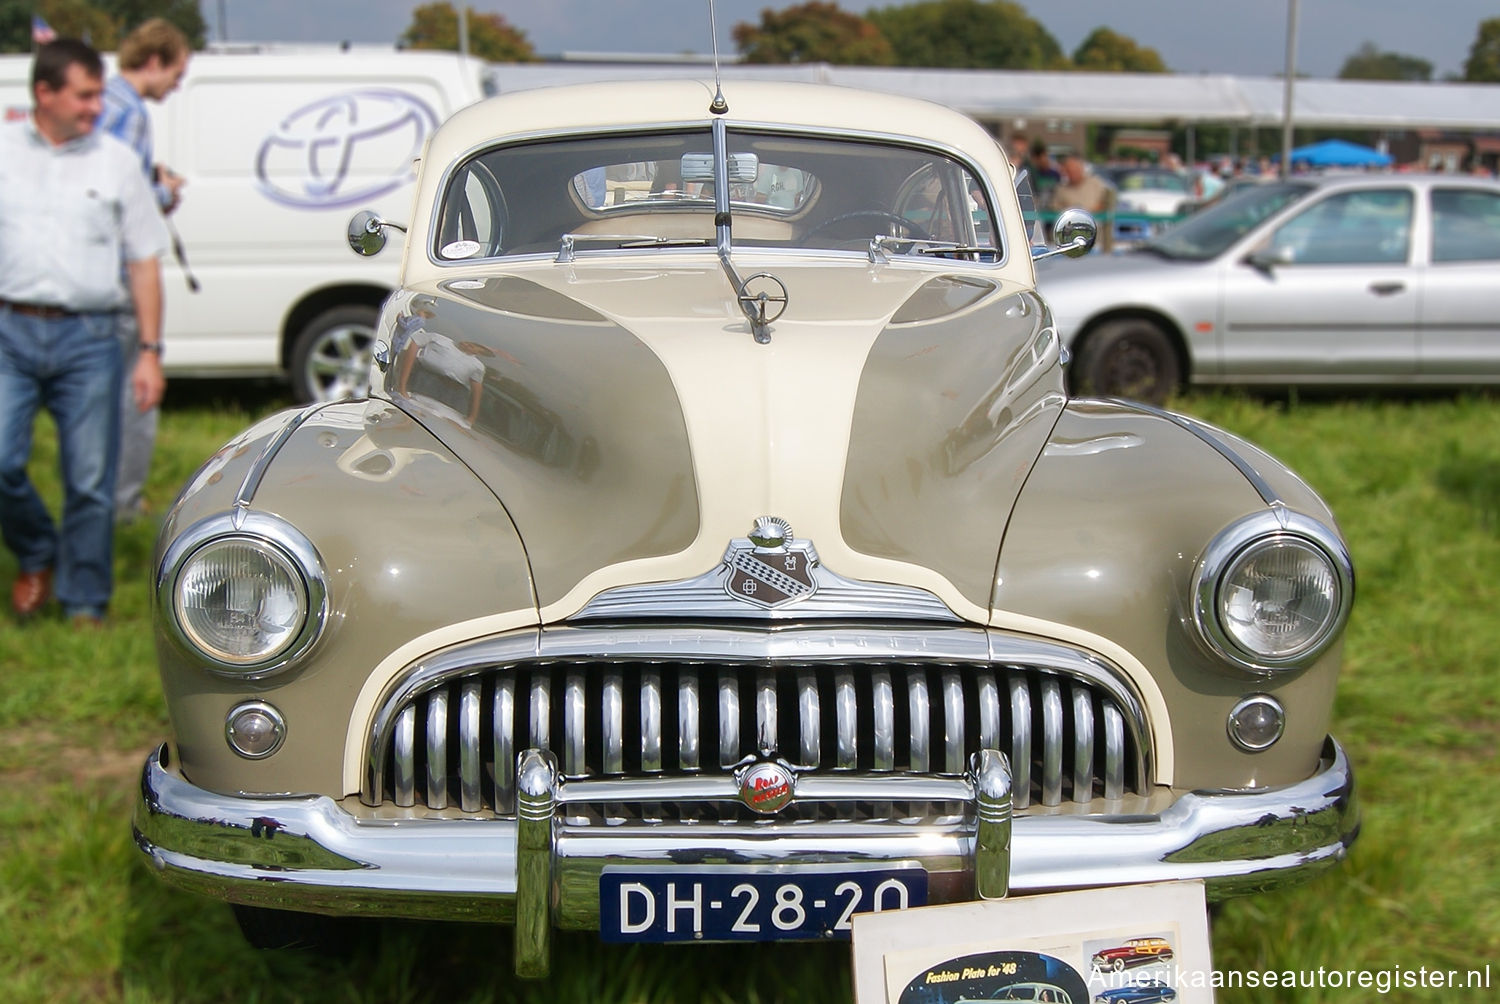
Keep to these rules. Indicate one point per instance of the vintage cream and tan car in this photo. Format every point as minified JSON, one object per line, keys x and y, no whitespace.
{"x":720,"y":555}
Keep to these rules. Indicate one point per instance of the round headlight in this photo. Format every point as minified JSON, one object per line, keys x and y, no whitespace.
{"x":247,"y":598}
{"x":1273,"y":591}
{"x":240,"y":601}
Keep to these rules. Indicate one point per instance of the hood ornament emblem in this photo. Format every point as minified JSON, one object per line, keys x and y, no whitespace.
{"x":770,"y":568}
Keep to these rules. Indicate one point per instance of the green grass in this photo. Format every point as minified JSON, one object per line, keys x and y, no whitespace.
{"x":1415,"y":482}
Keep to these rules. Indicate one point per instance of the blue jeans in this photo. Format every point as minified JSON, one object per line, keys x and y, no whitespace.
{"x":71,"y":367}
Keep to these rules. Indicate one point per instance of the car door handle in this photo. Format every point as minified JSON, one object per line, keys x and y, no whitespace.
{"x":1386,"y":288}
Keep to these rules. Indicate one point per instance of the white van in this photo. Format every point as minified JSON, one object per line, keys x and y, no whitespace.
{"x":280,"y":146}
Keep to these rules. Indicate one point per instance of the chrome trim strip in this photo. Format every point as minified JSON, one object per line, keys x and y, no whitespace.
{"x":1052,"y":741}
{"x":505,"y":746}
{"x":468,"y":747}
{"x":1083,"y":742}
{"x":406,"y":757}
{"x":257,"y":472}
{"x":326,"y":860}
{"x":1114,"y":752}
{"x":919,"y":712}
{"x":437,"y":750}
{"x":687,"y":720}
{"x":989,"y":711}
{"x":1209,"y":435}
{"x":953,"y":723}
{"x":729,"y":718}
{"x":575,"y":712}
{"x":724,"y":788}
{"x":810,"y":726}
{"x":1020,"y":741}
{"x":705,"y":596}
{"x":883,"y":705}
{"x":883,"y":647}
{"x":845,"y":717}
{"x":613,"y":715}
{"x":650,"y":721}
{"x":765,"y":712}
{"x":541,"y":708}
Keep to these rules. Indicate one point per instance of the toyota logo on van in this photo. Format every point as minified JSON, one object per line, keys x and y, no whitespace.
{"x":345,"y":149}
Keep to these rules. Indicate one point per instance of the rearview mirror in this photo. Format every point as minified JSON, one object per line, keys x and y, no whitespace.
{"x":743,"y":167}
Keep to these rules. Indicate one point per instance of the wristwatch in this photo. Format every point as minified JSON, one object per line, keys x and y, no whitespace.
{"x":151,"y":347}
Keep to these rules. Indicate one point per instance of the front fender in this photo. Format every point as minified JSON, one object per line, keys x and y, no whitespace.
{"x":413,"y":545}
{"x":1101,"y":550}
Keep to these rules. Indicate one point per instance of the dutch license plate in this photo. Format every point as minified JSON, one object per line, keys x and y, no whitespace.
{"x":748,"y":903}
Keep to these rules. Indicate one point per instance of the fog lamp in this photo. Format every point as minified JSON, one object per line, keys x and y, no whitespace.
{"x":1256,"y":723}
{"x":255,"y":730}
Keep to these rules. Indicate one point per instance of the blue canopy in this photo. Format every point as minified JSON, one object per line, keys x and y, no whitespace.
{"x":1338,"y":153}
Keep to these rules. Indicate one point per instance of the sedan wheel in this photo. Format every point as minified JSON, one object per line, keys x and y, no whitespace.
{"x":1130,"y":358}
{"x":330,"y":359}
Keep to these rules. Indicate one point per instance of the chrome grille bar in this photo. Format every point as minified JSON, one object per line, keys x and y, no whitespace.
{"x":1071,"y":734}
{"x":437,"y":749}
{"x":469,"y":798}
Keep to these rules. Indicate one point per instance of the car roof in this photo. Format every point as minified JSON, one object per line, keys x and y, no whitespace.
{"x":643,"y":104}
{"x":1385,"y":179}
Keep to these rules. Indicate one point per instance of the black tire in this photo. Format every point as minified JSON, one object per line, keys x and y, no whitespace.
{"x":279,"y":930}
{"x":1132,"y":358}
{"x":330,"y":357}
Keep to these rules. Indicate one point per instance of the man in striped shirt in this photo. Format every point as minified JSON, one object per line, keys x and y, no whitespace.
{"x":151,"y":62}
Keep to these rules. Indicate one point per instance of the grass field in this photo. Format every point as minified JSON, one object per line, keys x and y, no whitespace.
{"x":1415,"y":482}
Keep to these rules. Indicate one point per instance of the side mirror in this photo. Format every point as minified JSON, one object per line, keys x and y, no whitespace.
{"x":1075,"y":232}
{"x":1266,"y":259}
{"x":367,"y":233}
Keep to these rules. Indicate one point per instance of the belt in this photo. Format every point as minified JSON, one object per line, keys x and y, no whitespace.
{"x":42,"y":310}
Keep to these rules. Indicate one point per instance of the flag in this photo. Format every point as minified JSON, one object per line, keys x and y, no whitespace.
{"x":41,"y":31}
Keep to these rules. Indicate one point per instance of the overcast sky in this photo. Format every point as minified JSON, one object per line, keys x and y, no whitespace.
{"x":1245,"y":37}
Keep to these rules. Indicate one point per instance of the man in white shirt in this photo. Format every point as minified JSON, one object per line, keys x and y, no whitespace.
{"x":73,"y":205}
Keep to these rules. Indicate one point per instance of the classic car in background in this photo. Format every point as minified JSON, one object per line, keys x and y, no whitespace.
{"x":719,"y":555}
{"x":1134,"y":952}
{"x":1144,"y":991}
{"x":1373,"y":280}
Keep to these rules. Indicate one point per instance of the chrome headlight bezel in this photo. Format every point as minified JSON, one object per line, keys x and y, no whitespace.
{"x":1276,"y":526}
{"x":285,"y":545}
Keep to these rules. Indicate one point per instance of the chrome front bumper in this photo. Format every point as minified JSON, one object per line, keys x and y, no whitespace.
{"x":538,"y":872}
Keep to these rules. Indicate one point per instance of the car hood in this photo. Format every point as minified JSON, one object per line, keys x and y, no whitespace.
{"x":632,"y":426}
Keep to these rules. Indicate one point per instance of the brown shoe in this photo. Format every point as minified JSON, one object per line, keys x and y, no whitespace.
{"x":86,"y":622}
{"x":31,"y":591}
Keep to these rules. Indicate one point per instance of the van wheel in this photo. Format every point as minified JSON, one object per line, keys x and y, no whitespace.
{"x":330,"y":358}
{"x":1131,"y":358}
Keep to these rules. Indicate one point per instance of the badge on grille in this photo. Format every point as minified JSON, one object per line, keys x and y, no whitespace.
{"x":769,"y":568}
{"x":766,"y":787}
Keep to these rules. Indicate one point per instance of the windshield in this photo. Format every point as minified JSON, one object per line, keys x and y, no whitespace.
{"x":657,"y":190}
{"x":1207,"y":234}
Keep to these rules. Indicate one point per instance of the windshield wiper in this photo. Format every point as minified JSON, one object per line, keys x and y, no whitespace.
{"x":565,"y":248}
{"x":921,"y":245}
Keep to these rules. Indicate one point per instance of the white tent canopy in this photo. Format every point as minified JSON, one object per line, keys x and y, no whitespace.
{"x":1136,"y":98}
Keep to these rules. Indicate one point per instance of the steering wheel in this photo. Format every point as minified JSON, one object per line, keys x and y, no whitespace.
{"x":913,"y":230}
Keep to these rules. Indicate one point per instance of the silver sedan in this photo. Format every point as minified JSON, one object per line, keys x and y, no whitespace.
{"x":1358,"y":279}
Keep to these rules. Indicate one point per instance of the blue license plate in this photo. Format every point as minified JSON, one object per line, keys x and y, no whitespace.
{"x":748,"y":903}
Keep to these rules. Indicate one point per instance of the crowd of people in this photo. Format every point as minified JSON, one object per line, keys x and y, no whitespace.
{"x":82,"y":232}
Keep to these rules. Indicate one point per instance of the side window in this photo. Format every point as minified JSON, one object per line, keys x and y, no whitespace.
{"x":1465,"y":224}
{"x":474,"y":217}
{"x":1369,"y":226}
{"x":944,"y":203}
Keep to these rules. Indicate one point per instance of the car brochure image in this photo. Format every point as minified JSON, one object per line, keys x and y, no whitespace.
{"x":1139,"y":943}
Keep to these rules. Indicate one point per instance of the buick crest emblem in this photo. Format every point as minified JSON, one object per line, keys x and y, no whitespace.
{"x":766,"y":787}
{"x":344,"y":149}
{"x":769,"y":568}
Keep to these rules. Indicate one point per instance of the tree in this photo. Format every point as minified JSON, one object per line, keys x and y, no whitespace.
{"x":101,"y":22}
{"x":1483,"y":64}
{"x":435,"y":26}
{"x":1369,"y":63}
{"x":812,"y":33}
{"x":1110,"y":52}
{"x":997,"y":34}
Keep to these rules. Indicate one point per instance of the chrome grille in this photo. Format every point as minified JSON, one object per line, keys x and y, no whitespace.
{"x":454,"y":743}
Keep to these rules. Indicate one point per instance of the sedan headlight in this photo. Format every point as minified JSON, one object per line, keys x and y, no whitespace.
{"x":1273,"y":591}
{"x":249,"y":598}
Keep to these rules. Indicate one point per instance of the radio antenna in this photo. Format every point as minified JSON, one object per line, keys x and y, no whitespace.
{"x":718,"y":106}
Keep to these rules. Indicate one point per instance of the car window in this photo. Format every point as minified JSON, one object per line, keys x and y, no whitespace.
{"x":1209,"y":233}
{"x":1366,"y":226}
{"x":1465,"y":224}
{"x":657,"y":189}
